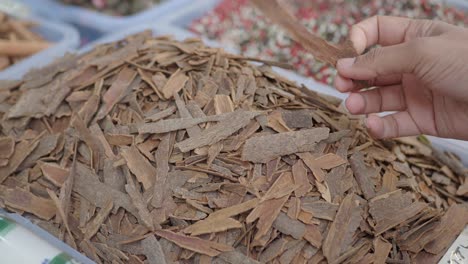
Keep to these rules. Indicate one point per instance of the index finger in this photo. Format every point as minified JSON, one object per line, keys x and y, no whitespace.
{"x":388,"y":30}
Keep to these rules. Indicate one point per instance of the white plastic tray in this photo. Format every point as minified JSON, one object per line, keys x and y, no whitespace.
{"x":64,"y":38}
{"x":101,"y":22}
{"x":46,"y":237}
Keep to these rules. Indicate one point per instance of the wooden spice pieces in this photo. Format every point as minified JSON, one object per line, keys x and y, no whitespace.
{"x":152,"y":150}
{"x":18,"y":40}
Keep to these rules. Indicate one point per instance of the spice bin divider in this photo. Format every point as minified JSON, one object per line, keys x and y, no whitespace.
{"x":101,"y":22}
{"x":64,"y":39}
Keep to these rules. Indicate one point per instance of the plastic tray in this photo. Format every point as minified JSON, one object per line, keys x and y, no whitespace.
{"x":47,"y":237}
{"x":100,"y":22}
{"x":65,"y":39}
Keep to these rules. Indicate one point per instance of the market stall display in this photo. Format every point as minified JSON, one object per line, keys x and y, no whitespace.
{"x":237,"y":23}
{"x":115,"y":7}
{"x":158,"y":150}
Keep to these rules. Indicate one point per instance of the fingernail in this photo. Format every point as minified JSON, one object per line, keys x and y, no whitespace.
{"x":345,"y":63}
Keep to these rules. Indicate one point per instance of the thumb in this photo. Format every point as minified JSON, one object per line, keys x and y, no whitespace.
{"x":382,"y":61}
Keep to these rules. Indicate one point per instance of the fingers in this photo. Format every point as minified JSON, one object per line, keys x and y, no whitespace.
{"x":390,"y":98}
{"x":392,"y":126}
{"x":344,"y":85}
{"x":385,"y":61}
{"x":387,"y":30}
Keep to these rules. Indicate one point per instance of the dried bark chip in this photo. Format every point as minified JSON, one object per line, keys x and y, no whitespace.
{"x":40,"y":102}
{"x":162,"y":161}
{"x":23,"y":200}
{"x":391,"y":209}
{"x":329,"y":161}
{"x":195,"y":244}
{"x":344,"y":226}
{"x":452,"y":224}
{"x":140,"y":205}
{"x":54,"y":173}
{"x":262,"y":149}
{"x":320,"y":209}
{"x":363,"y":175}
{"x":140,"y":166}
{"x":223,"y":104}
{"x":298,"y":119}
{"x":221,"y":220}
{"x":275,"y":249}
{"x":7,"y":147}
{"x":175,"y":83}
{"x":87,"y":184}
{"x":117,"y":90}
{"x":230,"y":125}
{"x":382,"y":249}
{"x":169,"y":125}
{"x":153,"y":251}
{"x":22,"y":151}
{"x":266,"y":213}
{"x":47,"y":144}
{"x":92,"y":227}
{"x":300,"y":178}
{"x":236,"y":257}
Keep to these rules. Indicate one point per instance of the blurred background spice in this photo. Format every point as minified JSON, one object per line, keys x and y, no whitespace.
{"x":115,"y":7}
{"x":237,"y":24}
{"x":17,"y":40}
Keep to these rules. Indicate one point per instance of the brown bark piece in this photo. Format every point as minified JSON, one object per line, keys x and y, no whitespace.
{"x":382,"y":249}
{"x":266,"y":213}
{"x":117,"y":91}
{"x":22,"y":150}
{"x":222,"y":130}
{"x":342,"y":230}
{"x":7,"y":147}
{"x":54,"y":173}
{"x":223,"y":104}
{"x":162,"y":162}
{"x":175,"y":83}
{"x":363,"y":175}
{"x":23,"y":200}
{"x":452,"y":224}
{"x":92,"y":227}
{"x":221,"y":220}
{"x":140,"y":166}
{"x":300,"y":179}
{"x":262,"y":149}
{"x":88,"y":185}
{"x":398,"y":208}
{"x":195,"y":244}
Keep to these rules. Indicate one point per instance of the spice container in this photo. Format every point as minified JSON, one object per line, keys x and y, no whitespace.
{"x":100,"y":22}
{"x":23,"y":242}
{"x":63,"y":38}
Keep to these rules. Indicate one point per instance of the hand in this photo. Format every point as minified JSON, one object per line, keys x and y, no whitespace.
{"x":421,"y":72}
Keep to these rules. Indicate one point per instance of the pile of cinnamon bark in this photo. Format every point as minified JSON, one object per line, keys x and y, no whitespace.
{"x":150,"y":150}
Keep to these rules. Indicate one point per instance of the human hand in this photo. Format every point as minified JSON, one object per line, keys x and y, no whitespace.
{"x":421,"y":72}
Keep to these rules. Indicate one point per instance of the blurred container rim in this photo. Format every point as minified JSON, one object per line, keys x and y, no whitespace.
{"x":102,"y":22}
